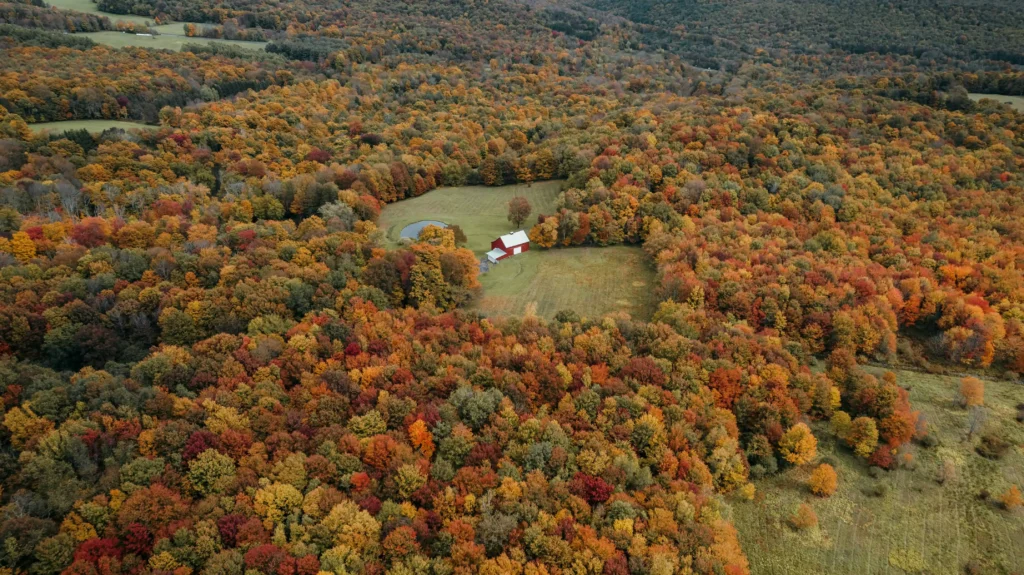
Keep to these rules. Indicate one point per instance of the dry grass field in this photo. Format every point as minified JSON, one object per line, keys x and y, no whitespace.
{"x":918,"y":525}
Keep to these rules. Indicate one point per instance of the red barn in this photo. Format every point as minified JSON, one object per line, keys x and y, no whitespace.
{"x":508,"y":245}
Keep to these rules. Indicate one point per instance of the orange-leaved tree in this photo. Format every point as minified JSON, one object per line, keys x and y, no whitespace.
{"x":823,"y":481}
{"x":972,"y":392}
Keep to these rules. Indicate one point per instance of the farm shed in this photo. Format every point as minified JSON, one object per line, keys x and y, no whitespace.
{"x":496,"y":254}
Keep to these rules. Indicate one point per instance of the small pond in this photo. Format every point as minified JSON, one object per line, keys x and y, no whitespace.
{"x":412,"y":231}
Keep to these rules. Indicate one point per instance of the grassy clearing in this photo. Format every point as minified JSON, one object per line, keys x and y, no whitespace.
{"x":167,"y":42}
{"x":590,"y":281}
{"x":95,"y":126}
{"x":172,"y":36}
{"x":480,"y":211}
{"x":172,"y":28}
{"x":89,"y":7}
{"x":1015,"y":102}
{"x":919,"y":526}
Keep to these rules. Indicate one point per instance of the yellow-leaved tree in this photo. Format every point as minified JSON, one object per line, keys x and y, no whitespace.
{"x":798,"y":445}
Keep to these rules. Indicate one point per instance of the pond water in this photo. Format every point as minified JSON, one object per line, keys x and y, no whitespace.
{"x":412,"y":231}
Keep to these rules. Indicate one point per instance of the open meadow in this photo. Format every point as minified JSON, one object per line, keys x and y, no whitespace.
{"x":1015,"y":102}
{"x":171,"y":35}
{"x":590,"y":281}
{"x":94,"y":126}
{"x":172,"y":28}
{"x":480,"y":211}
{"x":165,"y":41}
{"x":89,"y":7}
{"x":917,"y":525}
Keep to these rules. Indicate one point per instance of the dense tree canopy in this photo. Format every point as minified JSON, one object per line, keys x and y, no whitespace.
{"x":210,"y":362}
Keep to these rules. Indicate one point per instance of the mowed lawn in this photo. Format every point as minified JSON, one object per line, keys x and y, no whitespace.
{"x":481,"y":211}
{"x":590,"y":281}
{"x":1015,"y":102}
{"x":95,"y":126}
{"x":919,"y":526}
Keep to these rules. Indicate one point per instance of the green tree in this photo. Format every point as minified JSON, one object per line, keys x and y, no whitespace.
{"x":211,"y":472}
{"x":862,"y":436}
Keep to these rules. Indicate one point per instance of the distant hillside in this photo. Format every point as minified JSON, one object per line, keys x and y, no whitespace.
{"x":964,"y":30}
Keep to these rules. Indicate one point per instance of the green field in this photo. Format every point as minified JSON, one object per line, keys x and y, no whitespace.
{"x":165,"y":41}
{"x":95,"y":126}
{"x":480,"y":211}
{"x":1015,"y":102}
{"x":919,"y":526}
{"x":171,"y":37}
{"x":89,"y":7}
{"x":590,"y":281}
{"x":172,"y":28}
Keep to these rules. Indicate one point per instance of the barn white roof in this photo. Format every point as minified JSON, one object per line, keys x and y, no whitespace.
{"x":496,"y":253}
{"x":515,"y":239}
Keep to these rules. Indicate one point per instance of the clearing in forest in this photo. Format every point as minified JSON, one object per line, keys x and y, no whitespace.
{"x":171,"y":35}
{"x":481,"y":211}
{"x":165,"y":41}
{"x":1015,"y":102}
{"x":94,"y":126}
{"x":89,"y":7}
{"x":916,"y":525}
{"x":590,"y":281}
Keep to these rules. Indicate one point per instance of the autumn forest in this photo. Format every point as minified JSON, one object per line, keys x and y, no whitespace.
{"x":213,"y":360}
